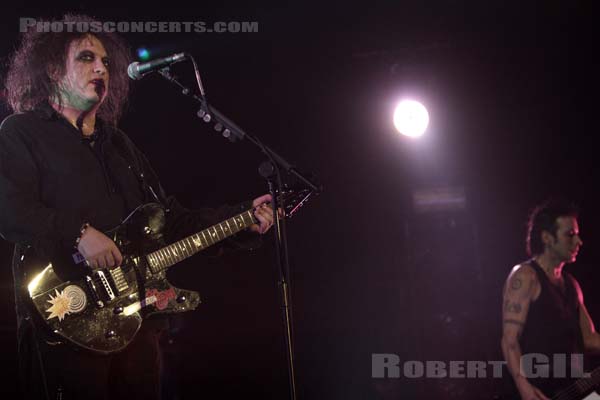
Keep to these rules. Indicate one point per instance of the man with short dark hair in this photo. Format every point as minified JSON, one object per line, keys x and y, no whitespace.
{"x":543,"y":309}
{"x":68,"y":174}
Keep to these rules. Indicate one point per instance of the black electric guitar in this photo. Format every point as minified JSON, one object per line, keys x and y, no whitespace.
{"x":582,"y":389}
{"x":102,"y":309}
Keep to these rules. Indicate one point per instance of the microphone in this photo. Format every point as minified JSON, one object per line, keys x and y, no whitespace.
{"x":137,"y":71}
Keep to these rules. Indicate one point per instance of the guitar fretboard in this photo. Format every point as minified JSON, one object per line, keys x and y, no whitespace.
{"x":163,"y":258}
{"x":581,"y":387}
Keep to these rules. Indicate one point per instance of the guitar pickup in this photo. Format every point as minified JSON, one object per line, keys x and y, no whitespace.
{"x":105,"y":284}
{"x":92,"y":288}
{"x":119,"y":280}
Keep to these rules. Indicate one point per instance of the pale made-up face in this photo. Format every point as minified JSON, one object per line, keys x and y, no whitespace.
{"x":86,"y":78}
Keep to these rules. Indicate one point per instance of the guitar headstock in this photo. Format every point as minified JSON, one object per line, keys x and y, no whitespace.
{"x":290,"y":200}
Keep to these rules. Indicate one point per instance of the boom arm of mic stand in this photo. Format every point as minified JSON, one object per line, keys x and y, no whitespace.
{"x":233,"y":132}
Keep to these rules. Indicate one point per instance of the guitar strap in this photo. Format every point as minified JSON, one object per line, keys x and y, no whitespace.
{"x":135,"y":165}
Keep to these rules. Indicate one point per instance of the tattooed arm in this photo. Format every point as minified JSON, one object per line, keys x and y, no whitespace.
{"x":521,"y":288}
{"x":591,"y":338}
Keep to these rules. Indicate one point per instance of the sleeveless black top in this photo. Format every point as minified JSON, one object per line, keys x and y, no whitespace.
{"x":552,"y":328}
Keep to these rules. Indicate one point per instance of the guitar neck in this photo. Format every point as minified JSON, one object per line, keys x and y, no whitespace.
{"x":580,"y":387}
{"x":163,"y":258}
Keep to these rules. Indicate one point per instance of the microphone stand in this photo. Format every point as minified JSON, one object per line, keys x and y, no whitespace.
{"x":271,"y":171}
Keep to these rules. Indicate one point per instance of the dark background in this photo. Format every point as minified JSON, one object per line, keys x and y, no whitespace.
{"x":512,"y":93}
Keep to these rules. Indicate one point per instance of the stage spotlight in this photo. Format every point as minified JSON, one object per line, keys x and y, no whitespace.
{"x":411,"y":118}
{"x":143,"y":54}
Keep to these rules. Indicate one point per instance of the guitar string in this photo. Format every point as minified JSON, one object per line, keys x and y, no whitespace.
{"x":225,"y":235}
{"x":173,"y":258}
{"x":575,"y":388}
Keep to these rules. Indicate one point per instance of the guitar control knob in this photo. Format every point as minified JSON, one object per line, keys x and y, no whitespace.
{"x":181,"y":299}
{"x":110,"y":334}
{"x":118,"y":310}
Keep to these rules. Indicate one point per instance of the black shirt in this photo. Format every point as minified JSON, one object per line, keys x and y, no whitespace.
{"x":52,"y":180}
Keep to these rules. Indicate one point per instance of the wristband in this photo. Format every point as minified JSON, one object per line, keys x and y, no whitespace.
{"x":81,"y":232}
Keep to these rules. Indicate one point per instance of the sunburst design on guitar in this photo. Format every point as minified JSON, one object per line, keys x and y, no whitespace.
{"x":70,"y":301}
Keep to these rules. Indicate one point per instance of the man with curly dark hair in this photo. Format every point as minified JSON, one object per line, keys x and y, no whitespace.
{"x":68,"y":174}
{"x":544,"y":314}
{"x":37,"y":68}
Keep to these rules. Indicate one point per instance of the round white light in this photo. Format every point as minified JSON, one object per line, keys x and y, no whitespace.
{"x":411,"y":118}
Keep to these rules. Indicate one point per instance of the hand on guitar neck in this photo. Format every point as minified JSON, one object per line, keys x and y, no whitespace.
{"x":263,"y":213}
{"x":101,"y":252}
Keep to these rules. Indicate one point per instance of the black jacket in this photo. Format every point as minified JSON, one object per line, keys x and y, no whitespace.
{"x":52,"y":180}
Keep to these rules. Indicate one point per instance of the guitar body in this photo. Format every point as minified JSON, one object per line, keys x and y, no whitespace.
{"x":102,"y":310}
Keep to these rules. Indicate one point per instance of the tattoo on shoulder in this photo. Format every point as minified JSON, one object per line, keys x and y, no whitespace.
{"x":516,"y":284}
